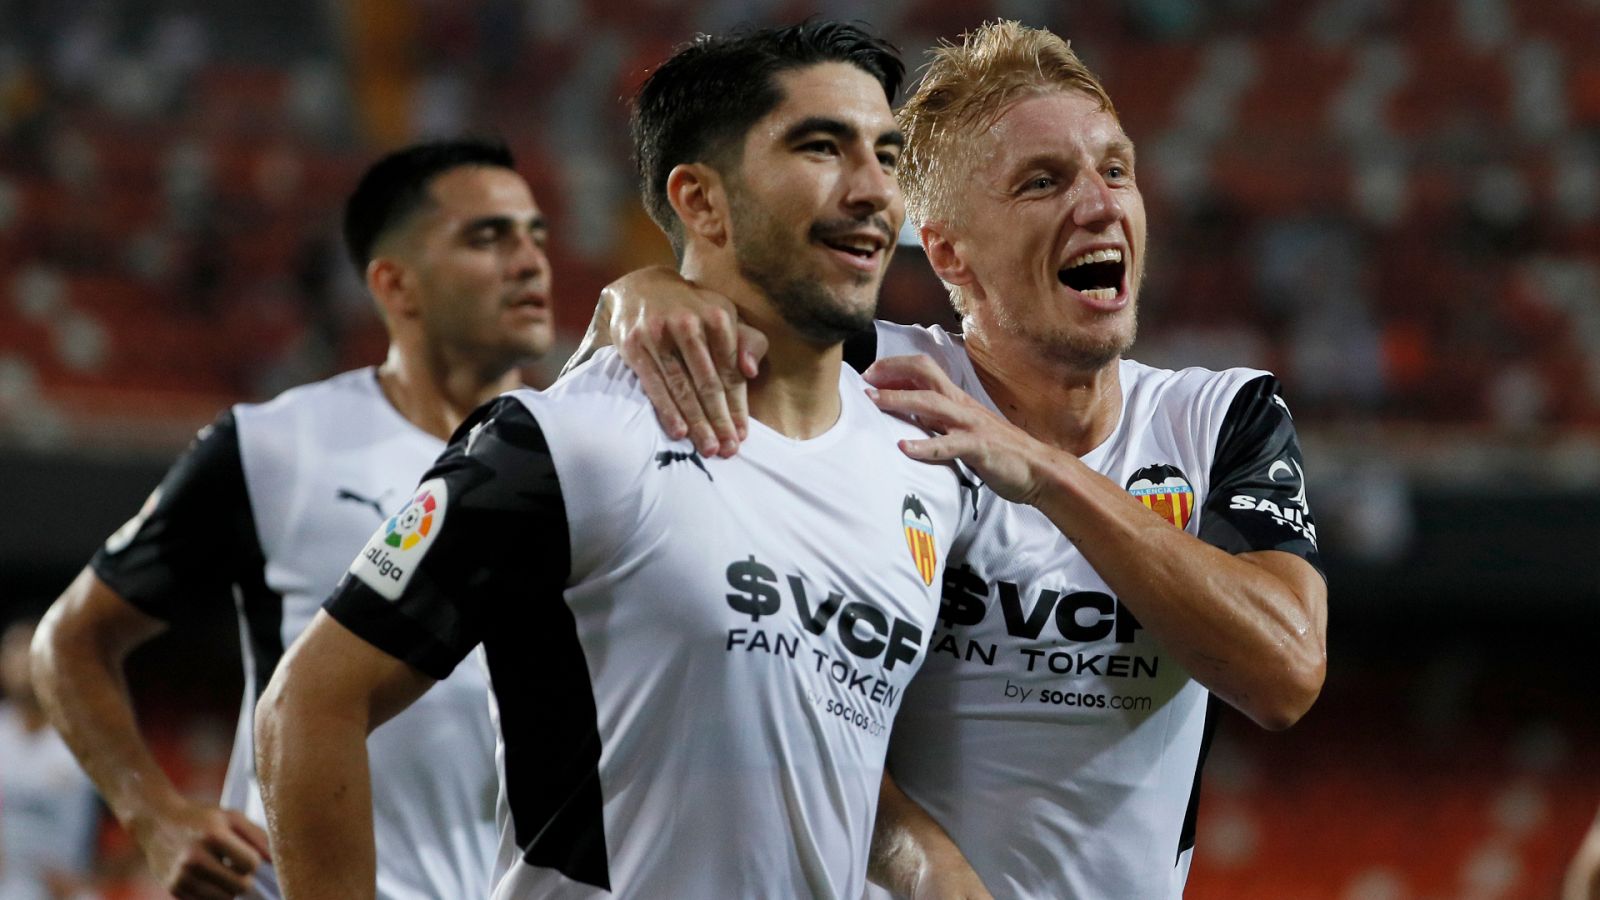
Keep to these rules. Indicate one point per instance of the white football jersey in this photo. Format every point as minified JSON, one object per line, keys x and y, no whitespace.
{"x":48,"y":810}
{"x":695,"y":662}
{"x":1048,"y":732}
{"x":272,"y":501}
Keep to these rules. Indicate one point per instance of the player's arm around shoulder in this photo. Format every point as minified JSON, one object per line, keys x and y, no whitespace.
{"x":329,"y":692}
{"x":1245,"y":614}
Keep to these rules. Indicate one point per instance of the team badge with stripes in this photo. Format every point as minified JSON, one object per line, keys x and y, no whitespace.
{"x":919,"y":537}
{"x":1164,"y":489}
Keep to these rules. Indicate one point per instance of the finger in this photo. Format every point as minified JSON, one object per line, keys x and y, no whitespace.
{"x":253,"y":834}
{"x":752,"y":350}
{"x":195,"y":888}
{"x":204,"y":874}
{"x":926,"y":408}
{"x":681,"y":387}
{"x":233,"y":852}
{"x":739,"y":409}
{"x":707,"y":350}
{"x":654,"y":384}
{"x":939,"y":448}
{"x":914,"y":371}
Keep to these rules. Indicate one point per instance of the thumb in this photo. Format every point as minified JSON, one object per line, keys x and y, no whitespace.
{"x":752,"y":349}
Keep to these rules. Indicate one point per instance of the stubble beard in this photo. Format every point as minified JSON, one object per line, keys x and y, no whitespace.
{"x":1071,"y":349}
{"x":767,"y":260}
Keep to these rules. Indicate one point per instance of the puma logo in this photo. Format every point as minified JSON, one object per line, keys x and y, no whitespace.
{"x":347,"y":494}
{"x":668,"y":457}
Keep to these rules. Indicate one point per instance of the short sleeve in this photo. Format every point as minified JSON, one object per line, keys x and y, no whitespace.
{"x":486,"y":527}
{"x":1257,"y":499}
{"x":194,"y":537}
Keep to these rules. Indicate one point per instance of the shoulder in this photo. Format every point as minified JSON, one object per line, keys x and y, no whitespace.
{"x":1195,"y":399}
{"x":603,"y":394}
{"x":1190,"y":385}
{"x":357,"y":387}
{"x":897,"y":340}
{"x":349,"y":404}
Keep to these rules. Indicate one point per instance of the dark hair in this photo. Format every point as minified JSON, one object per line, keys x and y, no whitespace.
{"x":698,"y":105}
{"x":397,"y":186}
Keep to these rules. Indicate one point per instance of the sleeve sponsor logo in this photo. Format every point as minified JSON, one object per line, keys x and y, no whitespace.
{"x":1291,"y":511}
{"x":122,"y":537}
{"x":1166,"y":491}
{"x":390,"y":558}
{"x":918,"y":526}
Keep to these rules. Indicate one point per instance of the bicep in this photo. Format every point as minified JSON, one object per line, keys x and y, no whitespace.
{"x":91,"y":617}
{"x":330,"y":671}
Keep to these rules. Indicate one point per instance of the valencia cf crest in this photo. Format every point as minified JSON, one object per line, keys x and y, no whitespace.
{"x":1165,"y":490}
{"x":919,"y":537}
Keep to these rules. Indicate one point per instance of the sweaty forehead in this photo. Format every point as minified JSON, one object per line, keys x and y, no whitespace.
{"x":832,"y":90}
{"x":473,"y":191}
{"x":1070,"y":123}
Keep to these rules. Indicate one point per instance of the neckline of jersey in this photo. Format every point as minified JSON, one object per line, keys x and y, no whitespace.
{"x":824,"y":441}
{"x":375,"y":385}
{"x":974,"y":386}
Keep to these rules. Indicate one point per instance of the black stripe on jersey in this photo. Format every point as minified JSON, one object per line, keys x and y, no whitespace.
{"x":861,"y":350}
{"x":197,"y":541}
{"x":1209,"y":729}
{"x":1257,"y":499}
{"x":262,"y":610}
{"x":495,"y":574}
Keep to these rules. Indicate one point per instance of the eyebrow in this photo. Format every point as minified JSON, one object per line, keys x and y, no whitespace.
{"x":1050,"y":159}
{"x":537,"y":223}
{"x":839,"y":129}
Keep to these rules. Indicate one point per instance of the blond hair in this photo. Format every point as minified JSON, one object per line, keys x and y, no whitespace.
{"x":966,"y":87}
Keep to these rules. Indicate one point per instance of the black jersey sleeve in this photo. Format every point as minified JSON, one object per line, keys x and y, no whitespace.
{"x":1258,"y":486}
{"x":194,"y":537}
{"x":486,"y":527}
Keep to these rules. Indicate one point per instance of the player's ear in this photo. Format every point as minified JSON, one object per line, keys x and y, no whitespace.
{"x":390,"y":284}
{"x":696,"y":193}
{"x":943,"y":256}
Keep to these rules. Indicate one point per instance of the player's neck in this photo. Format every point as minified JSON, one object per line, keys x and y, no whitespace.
{"x":797,"y":391}
{"x":435,"y":393}
{"x":1073,"y":409}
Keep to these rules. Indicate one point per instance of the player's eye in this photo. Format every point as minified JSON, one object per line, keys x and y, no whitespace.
{"x":820,"y":147}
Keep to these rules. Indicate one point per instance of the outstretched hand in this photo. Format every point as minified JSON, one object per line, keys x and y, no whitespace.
{"x":1010,"y":462}
{"x":691,"y":353}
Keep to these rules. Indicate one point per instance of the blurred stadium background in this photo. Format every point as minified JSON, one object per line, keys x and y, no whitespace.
{"x":1395,"y":205}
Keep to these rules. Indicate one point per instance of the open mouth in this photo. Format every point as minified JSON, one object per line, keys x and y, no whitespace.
{"x":1096,"y":274}
{"x":859,"y":246}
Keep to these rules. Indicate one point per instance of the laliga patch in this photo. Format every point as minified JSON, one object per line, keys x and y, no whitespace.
{"x":391,"y":556}
{"x":1164,"y":490}
{"x":122,"y":537}
{"x":919,"y":536}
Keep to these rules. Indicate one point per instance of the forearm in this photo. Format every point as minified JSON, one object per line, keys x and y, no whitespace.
{"x":1246,"y":634}
{"x":909,"y":847}
{"x":318,"y":793}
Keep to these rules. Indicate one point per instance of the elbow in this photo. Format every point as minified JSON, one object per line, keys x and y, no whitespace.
{"x":1294,"y":690}
{"x":269,"y":722}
